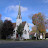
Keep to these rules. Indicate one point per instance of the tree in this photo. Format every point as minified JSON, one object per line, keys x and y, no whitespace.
{"x":7,"y":29}
{"x":1,"y":24}
{"x":38,"y":20}
{"x":34,"y":28}
{"x":20,"y":30}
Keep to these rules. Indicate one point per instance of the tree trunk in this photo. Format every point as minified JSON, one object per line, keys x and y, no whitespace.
{"x":0,"y":35}
{"x":20,"y":37}
{"x":42,"y":36}
{"x":39,"y":35}
{"x":36,"y":35}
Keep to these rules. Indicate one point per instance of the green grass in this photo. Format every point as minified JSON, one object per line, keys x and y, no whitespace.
{"x":7,"y":39}
{"x":22,"y":40}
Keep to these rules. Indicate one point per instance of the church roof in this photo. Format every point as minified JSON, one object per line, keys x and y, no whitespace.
{"x":23,"y":23}
{"x":14,"y":25}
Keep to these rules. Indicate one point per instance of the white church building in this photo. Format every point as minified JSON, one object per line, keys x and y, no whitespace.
{"x":26,"y":31}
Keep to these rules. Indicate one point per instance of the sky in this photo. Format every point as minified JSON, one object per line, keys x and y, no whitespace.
{"x":9,"y":9}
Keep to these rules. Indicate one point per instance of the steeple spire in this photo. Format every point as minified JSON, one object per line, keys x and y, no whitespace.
{"x":19,"y":13}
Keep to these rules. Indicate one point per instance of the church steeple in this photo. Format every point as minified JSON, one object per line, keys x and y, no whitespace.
{"x":19,"y":19}
{"x":19,"y":13}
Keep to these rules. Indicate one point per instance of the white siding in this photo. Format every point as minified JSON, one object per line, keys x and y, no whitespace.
{"x":18,"y":22}
{"x":26,"y":35}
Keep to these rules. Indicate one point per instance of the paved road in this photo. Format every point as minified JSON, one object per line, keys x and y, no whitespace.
{"x":32,"y":44}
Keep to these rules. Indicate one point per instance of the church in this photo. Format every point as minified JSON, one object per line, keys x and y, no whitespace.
{"x":26,"y":30}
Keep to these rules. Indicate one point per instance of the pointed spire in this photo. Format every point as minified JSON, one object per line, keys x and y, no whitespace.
{"x":19,"y":12}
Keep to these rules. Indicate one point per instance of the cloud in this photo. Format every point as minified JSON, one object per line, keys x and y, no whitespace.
{"x":7,"y":18}
{"x":45,"y":1}
{"x":46,"y":18}
{"x":15,"y":8}
{"x":22,"y":8}
{"x":46,"y":23}
{"x":31,"y":24}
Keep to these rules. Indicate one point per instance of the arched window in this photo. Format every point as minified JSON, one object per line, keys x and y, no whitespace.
{"x":25,"y":32}
{"x":28,"y":31}
{"x":28,"y":25}
{"x":13,"y":30}
{"x":17,"y":25}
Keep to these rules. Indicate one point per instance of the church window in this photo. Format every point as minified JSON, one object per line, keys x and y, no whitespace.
{"x":28,"y":26}
{"x":14,"y":31}
{"x":28,"y":31}
{"x":25,"y":32}
{"x":17,"y":25}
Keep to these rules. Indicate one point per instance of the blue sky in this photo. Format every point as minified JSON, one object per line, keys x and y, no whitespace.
{"x":9,"y":9}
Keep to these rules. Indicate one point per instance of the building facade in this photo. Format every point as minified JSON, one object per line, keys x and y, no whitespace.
{"x":25,"y":34}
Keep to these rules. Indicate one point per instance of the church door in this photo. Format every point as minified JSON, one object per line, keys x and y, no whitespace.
{"x":16,"y":35}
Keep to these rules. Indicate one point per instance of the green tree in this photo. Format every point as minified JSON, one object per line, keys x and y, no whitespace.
{"x":7,"y":29}
{"x":20,"y":30}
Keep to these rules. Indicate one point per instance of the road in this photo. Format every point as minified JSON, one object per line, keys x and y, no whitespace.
{"x":25,"y":44}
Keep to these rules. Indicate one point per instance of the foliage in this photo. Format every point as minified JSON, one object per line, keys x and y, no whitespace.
{"x":38,"y":20}
{"x":1,"y":24}
{"x":7,"y":28}
{"x":34,"y":28}
{"x":20,"y":29}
